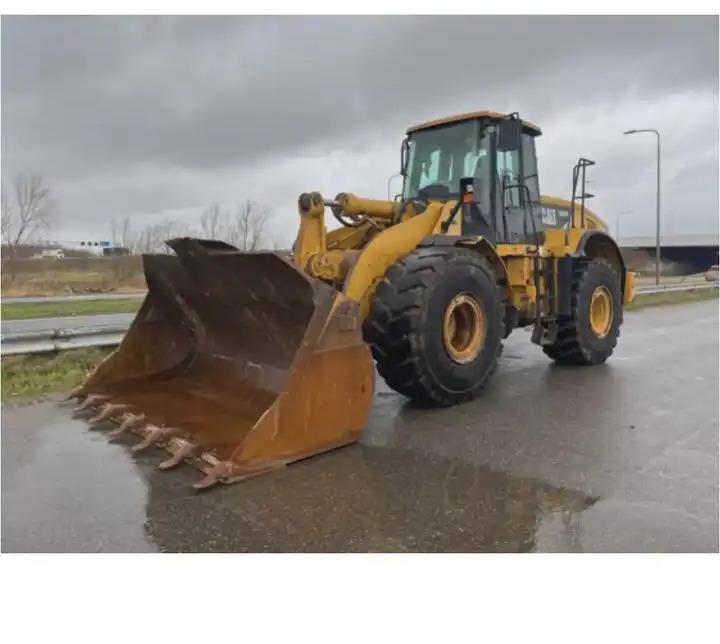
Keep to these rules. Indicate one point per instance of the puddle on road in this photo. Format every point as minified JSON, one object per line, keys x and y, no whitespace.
{"x":67,"y":488}
{"x":414,"y":483}
{"x":368,"y":499}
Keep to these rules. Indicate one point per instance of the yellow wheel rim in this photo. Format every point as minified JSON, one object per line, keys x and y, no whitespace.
{"x":464,"y":328}
{"x":601,"y":311}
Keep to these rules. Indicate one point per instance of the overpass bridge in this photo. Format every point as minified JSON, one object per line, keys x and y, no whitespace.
{"x":670,"y":241}
{"x":680,"y":254}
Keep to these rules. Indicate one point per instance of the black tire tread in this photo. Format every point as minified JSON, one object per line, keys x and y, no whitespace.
{"x":394,"y":327}
{"x":568,"y":349}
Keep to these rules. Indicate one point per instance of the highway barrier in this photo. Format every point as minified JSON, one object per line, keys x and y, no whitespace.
{"x":54,"y":299}
{"x":61,"y":339}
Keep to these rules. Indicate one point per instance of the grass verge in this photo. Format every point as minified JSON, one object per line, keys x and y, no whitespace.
{"x":20,"y":311}
{"x":35,"y":377}
{"x":670,"y":297}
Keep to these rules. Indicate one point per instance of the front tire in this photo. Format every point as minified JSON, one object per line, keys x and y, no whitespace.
{"x":436,"y":324}
{"x":589,"y":335}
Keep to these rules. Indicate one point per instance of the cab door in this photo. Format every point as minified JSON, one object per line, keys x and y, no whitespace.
{"x":517,"y":188}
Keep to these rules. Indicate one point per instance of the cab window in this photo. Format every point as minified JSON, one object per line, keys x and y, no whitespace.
{"x":440,"y":157}
{"x":530,"y":174}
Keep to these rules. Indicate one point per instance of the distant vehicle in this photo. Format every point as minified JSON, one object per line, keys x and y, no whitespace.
{"x":84,"y":247}
{"x":711,"y":274}
{"x":51,"y":253}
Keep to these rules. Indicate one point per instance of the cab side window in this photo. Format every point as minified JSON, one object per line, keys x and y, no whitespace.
{"x":530,"y":174}
{"x":508,"y":174}
{"x":549,"y":217}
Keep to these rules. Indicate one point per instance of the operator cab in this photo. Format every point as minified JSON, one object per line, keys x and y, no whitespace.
{"x":495,"y":151}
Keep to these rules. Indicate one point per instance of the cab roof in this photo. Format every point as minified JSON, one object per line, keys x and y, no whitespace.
{"x":468,"y":116}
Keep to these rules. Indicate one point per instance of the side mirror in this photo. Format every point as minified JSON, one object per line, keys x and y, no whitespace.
{"x":404,"y":156}
{"x":510,"y":134}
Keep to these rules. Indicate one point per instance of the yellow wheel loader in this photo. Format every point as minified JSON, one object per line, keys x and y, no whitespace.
{"x":240,"y":363}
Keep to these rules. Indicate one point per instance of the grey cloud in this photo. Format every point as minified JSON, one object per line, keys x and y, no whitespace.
{"x":105,"y":97}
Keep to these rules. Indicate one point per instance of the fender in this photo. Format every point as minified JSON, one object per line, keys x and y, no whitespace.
{"x":383,"y":250}
{"x":479,"y":244}
{"x":595,"y":243}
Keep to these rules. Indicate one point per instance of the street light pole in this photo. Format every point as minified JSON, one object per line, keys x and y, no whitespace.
{"x":657,"y":224}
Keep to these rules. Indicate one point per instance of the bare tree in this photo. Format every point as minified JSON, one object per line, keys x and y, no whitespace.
{"x":247,"y":228}
{"x":167,"y":230}
{"x":254,"y":218}
{"x":5,"y":216}
{"x":26,"y":210}
{"x":126,"y":240}
{"x":152,"y":238}
{"x":123,"y":234}
{"x":244,"y":229}
{"x":212,"y":222}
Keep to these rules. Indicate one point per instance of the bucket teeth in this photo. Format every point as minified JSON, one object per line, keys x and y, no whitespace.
{"x":186,"y":450}
{"x":214,"y":475}
{"x":91,"y":401}
{"x":155,"y":435}
{"x":108,"y":410}
{"x":74,"y":394}
{"x":129,"y":421}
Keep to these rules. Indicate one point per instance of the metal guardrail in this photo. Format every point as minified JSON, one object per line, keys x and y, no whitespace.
{"x":59,"y":340}
{"x":46,"y":299}
{"x":669,"y":288}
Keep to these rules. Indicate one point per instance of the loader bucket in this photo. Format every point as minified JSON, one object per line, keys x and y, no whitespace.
{"x":236,"y":362}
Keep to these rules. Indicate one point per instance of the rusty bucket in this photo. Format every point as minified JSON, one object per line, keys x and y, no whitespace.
{"x":236,"y":362}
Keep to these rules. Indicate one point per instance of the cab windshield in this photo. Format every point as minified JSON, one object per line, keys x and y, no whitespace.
{"x":439,"y":157}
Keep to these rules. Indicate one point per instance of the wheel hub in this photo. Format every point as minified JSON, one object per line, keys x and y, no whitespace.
{"x":464,"y":328}
{"x":601,"y":311}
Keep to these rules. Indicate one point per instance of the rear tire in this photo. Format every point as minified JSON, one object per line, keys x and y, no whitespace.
{"x":436,"y":324}
{"x":590,"y":334}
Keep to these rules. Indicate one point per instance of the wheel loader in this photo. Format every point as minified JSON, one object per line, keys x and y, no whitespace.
{"x":241,"y":363}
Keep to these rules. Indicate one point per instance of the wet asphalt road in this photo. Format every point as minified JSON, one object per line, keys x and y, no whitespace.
{"x":620,"y":457}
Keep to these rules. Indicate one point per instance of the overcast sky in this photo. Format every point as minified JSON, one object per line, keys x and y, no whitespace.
{"x":155,"y":118}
